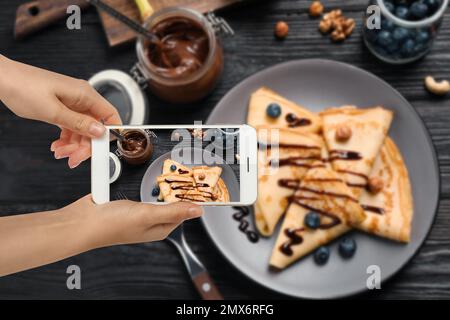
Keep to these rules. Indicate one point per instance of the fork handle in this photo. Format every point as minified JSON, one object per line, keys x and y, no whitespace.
{"x":206,"y":287}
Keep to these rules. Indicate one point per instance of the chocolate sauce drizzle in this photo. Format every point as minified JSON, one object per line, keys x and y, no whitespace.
{"x":293,"y":234}
{"x":328,"y":193}
{"x":289,"y":183}
{"x":373,"y":209}
{"x":344,"y":155}
{"x":293,"y":121}
{"x":296,"y":162}
{"x":181,"y":171}
{"x":287,"y":145}
{"x":244,"y":225}
{"x":188,"y":186}
{"x":357,"y":174}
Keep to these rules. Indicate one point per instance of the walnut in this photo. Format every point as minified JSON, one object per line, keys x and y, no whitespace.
{"x":325,"y":26}
{"x":198,"y":133}
{"x":343,"y":133}
{"x":333,"y":14}
{"x":337,"y":36}
{"x":281,"y":29}
{"x":337,"y":25}
{"x":375,"y":185}
{"x":349,"y":25}
{"x":316,"y":9}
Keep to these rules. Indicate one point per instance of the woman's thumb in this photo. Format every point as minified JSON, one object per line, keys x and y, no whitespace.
{"x":79,"y":123}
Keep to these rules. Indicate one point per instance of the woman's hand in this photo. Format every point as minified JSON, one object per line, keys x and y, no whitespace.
{"x":125,"y":221}
{"x":69,"y":103}
{"x":35,"y":239}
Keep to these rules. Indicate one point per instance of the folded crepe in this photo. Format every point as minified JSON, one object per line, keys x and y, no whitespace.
{"x":180,"y":169}
{"x":296,"y":240}
{"x":390,"y":211}
{"x":323,"y":191}
{"x":207,"y":175}
{"x":221,"y":192}
{"x":281,"y":164}
{"x":353,"y":157}
{"x":173,"y":187}
{"x":199,"y":184}
{"x":292,"y":115}
{"x":387,"y":214}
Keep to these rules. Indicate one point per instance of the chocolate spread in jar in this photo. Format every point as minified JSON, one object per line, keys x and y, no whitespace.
{"x":134,"y":143}
{"x":136,"y":148}
{"x":182,"y":49}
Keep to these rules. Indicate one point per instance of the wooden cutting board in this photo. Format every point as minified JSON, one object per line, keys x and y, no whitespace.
{"x":35,"y":15}
{"x":117,"y":33}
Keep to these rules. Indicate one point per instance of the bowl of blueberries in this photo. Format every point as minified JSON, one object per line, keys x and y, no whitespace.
{"x":407,"y":29}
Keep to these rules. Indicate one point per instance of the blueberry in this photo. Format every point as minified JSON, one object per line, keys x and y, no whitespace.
{"x":312,"y":220}
{"x":155,"y":191}
{"x":347,"y":248}
{"x":419,"y":48}
{"x":407,"y":49}
{"x":402,"y":12}
{"x":433,"y":5}
{"x":321,"y":255}
{"x":173,"y":167}
{"x":393,"y":47}
{"x":400,"y":34}
{"x":387,"y":25}
{"x":385,"y":38}
{"x":418,"y":10}
{"x":422,"y":36}
{"x":390,"y":6}
{"x":273,"y":110}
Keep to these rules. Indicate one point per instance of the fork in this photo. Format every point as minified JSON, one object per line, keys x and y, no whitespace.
{"x":197,"y":271}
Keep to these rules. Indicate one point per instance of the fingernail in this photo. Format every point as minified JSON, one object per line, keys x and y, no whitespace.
{"x":96,"y":129}
{"x":73,"y":166}
{"x":57,"y":156}
{"x":196,"y":211}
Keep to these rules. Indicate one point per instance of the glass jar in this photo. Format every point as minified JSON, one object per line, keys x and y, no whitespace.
{"x":399,"y":40}
{"x":137,"y":147}
{"x":173,"y":86}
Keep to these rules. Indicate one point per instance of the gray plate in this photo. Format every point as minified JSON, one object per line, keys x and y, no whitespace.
{"x":318,"y":84}
{"x":155,"y":170}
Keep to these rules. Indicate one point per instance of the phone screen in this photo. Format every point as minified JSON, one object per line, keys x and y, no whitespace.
{"x":177,"y":164}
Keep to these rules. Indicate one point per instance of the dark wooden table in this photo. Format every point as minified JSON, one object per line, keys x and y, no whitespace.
{"x":32,"y":180}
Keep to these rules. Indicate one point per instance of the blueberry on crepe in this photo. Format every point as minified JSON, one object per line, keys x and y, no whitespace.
{"x":268,"y":109}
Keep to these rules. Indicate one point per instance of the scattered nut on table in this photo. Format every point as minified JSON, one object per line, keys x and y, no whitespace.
{"x":281,"y":29}
{"x":375,"y":185}
{"x":339,"y":26}
{"x":343,"y":133}
{"x":439,"y":88}
{"x":316,"y":9}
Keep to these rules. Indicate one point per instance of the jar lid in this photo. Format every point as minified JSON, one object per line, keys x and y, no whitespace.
{"x":115,"y":167}
{"x":124,"y":93}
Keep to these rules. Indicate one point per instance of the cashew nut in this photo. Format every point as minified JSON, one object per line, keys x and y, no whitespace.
{"x":437,"y":87}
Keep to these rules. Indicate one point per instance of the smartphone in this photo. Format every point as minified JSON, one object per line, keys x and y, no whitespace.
{"x":208,"y":165}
